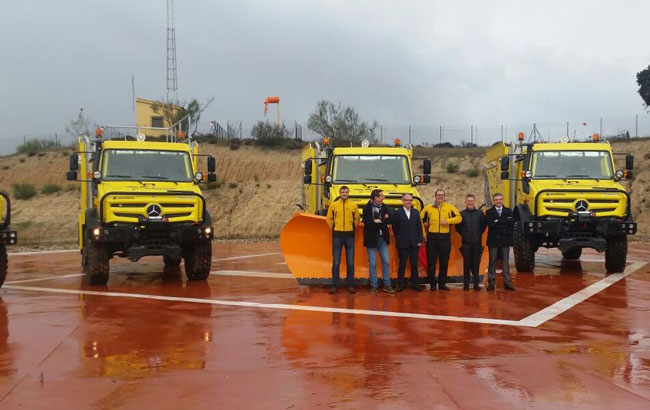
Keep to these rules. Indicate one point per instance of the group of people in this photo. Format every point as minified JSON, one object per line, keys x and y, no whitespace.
{"x":412,"y":229}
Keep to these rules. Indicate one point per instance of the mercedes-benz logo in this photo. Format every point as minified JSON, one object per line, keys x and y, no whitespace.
{"x":154,"y":211}
{"x":582,"y":205}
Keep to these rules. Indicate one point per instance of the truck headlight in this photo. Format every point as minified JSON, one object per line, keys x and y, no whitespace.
{"x":528,"y":174}
{"x":97,"y":175}
{"x":531,"y":224}
{"x":417,"y":179}
{"x":97,"y":233}
{"x":12,"y":234}
{"x":631,"y":226}
{"x":619,"y":174}
{"x":198,"y":176}
{"x":329,"y":179}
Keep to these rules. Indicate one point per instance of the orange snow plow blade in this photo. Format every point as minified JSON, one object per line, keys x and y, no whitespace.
{"x":306,"y":243}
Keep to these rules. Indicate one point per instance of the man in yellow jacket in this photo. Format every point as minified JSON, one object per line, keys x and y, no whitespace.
{"x":343,"y":217}
{"x":438,"y":218}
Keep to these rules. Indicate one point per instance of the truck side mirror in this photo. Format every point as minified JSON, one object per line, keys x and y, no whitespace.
{"x":629,"y":162}
{"x":308,"y":166}
{"x":426,"y":167}
{"x":212,"y":177}
{"x":74,"y":162}
{"x":71,"y":175}
{"x":427,"y":179}
{"x":505,"y":164}
{"x":504,"y":175}
{"x":306,"y":179}
{"x":212,"y":164}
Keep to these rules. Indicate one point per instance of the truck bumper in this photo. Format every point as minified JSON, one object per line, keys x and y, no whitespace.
{"x":8,"y":237}
{"x":151,"y":239}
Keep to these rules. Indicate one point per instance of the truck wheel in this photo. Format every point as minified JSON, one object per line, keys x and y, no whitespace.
{"x":198,"y":260}
{"x":96,"y":263}
{"x":523,"y":250}
{"x":616,"y":254}
{"x":3,"y":263}
{"x":573,"y":253}
{"x":169,"y":261}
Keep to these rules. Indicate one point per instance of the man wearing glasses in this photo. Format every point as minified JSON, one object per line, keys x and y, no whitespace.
{"x":407,"y":227}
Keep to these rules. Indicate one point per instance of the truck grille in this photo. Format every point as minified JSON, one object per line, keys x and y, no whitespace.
{"x":119,"y":210}
{"x":605,"y":204}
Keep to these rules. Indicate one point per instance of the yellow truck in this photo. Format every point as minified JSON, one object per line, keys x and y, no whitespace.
{"x":7,"y":236}
{"x":564,"y":195}
{"x":142,"y":198}
{"x":306,"y":239}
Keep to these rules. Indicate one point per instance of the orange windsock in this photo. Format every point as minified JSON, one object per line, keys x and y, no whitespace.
{"x":270,"y":100}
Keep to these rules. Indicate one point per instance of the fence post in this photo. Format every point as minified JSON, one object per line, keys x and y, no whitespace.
{"x":471,"y":134}
{"x":636,"y":126}
{"x":440,"y":134}
{"x":381,"y":135}
{"x":567,"y":129}
{"x":502,"y":133}
{"x":601,"y":128}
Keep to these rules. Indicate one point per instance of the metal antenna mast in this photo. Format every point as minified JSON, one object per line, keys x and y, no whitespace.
{"x":172,"y":84}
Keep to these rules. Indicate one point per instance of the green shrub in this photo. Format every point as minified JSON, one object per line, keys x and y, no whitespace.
{"x":473,"y":172}
{"x":24,"y":191}
{"x":34,"y":146}
{"x":50,"y":189}
{"x":452,"y":167}
{"x":232,"y":185}
{"x":234,"y":147}
{"x":71,"y":187}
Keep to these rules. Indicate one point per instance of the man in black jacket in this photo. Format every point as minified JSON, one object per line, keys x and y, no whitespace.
{"x":471,"y":230}
{"x":407,"y":227}
{"x":376,"y":238}
{"x":499,"y":221}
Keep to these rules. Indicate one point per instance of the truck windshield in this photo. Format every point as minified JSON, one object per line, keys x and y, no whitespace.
{"x":392,"y":169}
{"x":572,"y":164}
{"x":146,"y":165}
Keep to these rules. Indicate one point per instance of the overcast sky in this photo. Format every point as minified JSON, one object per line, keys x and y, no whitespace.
{"x":397,"y":62}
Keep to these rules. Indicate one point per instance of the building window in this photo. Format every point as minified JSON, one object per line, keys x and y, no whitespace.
{"x":157,"y":122}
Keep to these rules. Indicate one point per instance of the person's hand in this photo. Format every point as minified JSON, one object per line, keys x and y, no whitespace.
{"x":444,"y":222}
{"x":377,"y":221}
{"x":419,"y":244}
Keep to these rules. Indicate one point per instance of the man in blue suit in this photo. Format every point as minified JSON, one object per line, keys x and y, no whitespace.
{"x":407,"y":227}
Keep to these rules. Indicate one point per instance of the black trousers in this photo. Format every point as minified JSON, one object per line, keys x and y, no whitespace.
{"x":471,"y":262}
{"x":410,"y":253}
{"x":438,"y":248}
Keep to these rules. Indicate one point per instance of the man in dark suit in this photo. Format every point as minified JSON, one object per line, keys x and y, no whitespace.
{"x":408,"y":230}
{"x":471,"y":230}
{"x":500,"y":222}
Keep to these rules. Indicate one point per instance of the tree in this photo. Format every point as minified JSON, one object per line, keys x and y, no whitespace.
{"x":341,"y":124}
{"x":643,"y":80}
{"x":268,"y":134}
{"x":80,"y":126}
{"x":173,"y":113}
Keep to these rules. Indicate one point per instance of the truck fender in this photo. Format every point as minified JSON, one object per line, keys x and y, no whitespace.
{"x":91,"y":221}
{"x":207,"y":220}
{"x":522,"y":214}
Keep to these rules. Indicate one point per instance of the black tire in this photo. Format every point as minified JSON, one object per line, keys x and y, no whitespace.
{"x":169,"y":261}
{"x":96,"y":263}
{"x":3,"y":263}
{"x":523,"y":250}
{"x":616,"y":254}
{"x":573,"y":253}
{"x":198,"y":260}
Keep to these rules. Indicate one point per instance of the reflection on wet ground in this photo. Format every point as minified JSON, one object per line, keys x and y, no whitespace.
{"x":99,"y":351}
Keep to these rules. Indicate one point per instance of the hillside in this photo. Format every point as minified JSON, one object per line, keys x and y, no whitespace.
{"x":260,"y":194}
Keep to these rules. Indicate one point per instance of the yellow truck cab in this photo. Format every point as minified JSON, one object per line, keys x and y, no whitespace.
{"x":564,"y":195}
{"x":7,"y":236}
{"x":141,"y":198}
{"x":362,"y":169}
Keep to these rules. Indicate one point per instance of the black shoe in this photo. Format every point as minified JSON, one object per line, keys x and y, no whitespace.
{"x":433,"y":287}
{"x":374,"y":289}
{"x":389,"y":289}
{"x":465,"y":287}
{"x":400,"y":288}
{"x":417,"y":287}
{"x":333,"y":290}
{"x":490,"y":287}
{"x":477,"y":287}
{"x":443,"y":287}
{"x":508,"y":287}
{"x":351,"y":290}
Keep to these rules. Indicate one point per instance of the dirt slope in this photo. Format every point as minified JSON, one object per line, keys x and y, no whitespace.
{"x":260,"y":194}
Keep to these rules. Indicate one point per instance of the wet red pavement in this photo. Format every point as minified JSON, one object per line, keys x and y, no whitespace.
{"x":251,"y":337}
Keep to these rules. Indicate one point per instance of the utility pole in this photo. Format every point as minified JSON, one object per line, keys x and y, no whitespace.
{"x":601,"y":127}
{"x":441,"y":134}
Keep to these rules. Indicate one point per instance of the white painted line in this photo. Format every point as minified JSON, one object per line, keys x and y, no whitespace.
{"x":43,"y":252}
{"x":559,"y":307}
{"x":269,"y":305}
{"x":252,"y":274}
{"x":246,"y":256}
{"x":281,"y":263}
{"x":72,"y":275}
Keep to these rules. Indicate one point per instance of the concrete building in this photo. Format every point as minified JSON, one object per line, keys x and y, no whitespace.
{"x":152,"y":122}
